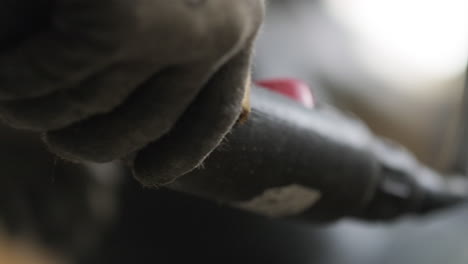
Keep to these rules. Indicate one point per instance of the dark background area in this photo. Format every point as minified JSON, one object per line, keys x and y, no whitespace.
{"x":165,"y":227}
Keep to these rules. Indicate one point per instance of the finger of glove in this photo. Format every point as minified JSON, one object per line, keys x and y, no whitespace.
{"x":97,"y":95}
{"x":207,"y":121}
{"x":153,"y":110}
{"x":202,"y":28}
{"x":68,"y":106}
{"x":146,"y":115}
{"x":200,"y":130}
{"x":83,"y":38}
{"x":101,"y":93}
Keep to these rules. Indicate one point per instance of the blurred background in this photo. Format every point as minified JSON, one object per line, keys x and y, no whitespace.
{"x":397,"y":64}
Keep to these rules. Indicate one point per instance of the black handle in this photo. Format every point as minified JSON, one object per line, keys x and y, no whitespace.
{"x":287,"y":160}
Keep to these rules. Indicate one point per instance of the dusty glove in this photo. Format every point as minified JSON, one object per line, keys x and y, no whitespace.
{"x":104,"y":78}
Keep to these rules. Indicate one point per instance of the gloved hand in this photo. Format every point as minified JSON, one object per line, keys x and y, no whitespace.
{"x":102,"y":79}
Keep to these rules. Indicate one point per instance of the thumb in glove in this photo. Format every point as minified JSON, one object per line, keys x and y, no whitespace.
{"x":105,"y":78}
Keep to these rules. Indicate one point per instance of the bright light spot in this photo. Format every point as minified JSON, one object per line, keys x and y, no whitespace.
{"x":412,"y":44}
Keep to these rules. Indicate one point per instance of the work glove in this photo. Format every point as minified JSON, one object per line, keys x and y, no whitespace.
{"x":158,"y":83}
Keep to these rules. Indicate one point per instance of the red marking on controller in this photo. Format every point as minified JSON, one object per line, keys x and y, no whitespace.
{"x":292,"y":88}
